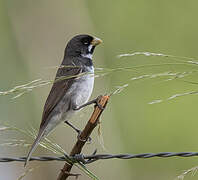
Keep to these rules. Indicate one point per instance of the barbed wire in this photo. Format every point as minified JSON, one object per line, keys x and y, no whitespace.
{"x":86,"y":159}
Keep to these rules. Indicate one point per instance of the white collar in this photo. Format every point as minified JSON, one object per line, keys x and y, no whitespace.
{"x":87,"y":55}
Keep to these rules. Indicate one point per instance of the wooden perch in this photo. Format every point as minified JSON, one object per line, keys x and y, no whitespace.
{"x":77,"y":148}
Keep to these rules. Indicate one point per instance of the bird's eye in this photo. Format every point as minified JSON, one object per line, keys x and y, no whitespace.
{"x":85,"y":43}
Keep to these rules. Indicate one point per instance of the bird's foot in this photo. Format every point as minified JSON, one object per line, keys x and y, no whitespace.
{"x":94,"y":101}
{"x":89,"y":139}
{"x":78,"y":132}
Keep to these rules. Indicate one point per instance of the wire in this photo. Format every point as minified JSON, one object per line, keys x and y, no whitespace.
{"x":86,"y":159}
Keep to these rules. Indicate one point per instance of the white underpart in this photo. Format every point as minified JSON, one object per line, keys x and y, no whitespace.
{"x":84,"y":87}
{"x":81,"y":92}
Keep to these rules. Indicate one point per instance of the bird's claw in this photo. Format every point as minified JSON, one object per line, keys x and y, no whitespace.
{"x":89,"y":139}
{"x":97,"y":104}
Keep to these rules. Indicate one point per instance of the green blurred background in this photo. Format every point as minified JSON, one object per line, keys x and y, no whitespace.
{"x":33,"y":37}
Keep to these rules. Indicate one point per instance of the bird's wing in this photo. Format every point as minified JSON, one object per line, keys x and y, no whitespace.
{"x":63,"y":81}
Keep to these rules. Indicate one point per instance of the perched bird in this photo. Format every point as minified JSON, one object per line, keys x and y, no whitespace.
{"x":72,"y":87}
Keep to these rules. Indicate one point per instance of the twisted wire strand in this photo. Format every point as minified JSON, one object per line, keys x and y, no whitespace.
{"x":86,"y":159}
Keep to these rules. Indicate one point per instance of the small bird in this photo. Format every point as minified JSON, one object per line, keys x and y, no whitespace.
{"x":72,"y":87}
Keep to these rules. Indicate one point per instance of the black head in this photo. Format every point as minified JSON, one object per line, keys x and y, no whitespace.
{"x":82,"y":45}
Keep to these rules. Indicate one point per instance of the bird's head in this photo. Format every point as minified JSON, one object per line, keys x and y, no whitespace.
{"x":82,"y":45}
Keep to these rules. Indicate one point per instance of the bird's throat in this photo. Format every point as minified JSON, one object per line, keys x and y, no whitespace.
{"x":89,"y":55}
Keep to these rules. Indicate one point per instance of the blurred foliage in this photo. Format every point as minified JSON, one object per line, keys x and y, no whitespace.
{"x":33,"y":35}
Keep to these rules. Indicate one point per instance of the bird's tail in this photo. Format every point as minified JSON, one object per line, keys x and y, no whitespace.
{"x":34,"y":145}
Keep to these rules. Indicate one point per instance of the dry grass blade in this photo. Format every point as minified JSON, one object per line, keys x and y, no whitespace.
{"x":15,"y":142}
{"x":25,"y":173}
{"x":100,"y":72}
{"x":188,"y":60}
{"x":170,"y":75}
{"x":192,"y":170}
{"x":22,"y":89}
{"x":119,"y":89}
{"x":48,"y":144}
{"x":4,"y":128}
{"x":28,"y":87}
{"x":173,"y":97}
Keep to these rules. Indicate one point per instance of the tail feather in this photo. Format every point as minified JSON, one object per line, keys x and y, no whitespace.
{"x":34,"y":146}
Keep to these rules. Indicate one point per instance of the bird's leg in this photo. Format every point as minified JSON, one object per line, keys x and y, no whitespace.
{"x":94,"y":101}
{"x":78,"y":131}
{"x":73,"y":127}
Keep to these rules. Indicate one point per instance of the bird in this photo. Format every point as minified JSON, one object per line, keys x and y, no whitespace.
{"x":72,"y":87}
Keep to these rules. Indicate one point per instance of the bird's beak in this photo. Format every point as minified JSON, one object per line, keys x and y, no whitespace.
{"x":96,"y":41}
